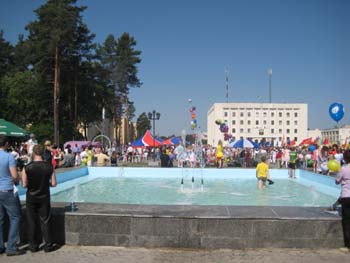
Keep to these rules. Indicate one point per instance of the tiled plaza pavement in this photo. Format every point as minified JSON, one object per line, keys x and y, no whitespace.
{"x":86,"y":254}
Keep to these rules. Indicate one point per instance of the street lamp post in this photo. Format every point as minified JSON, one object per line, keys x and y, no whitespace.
{"x":153,"y":116}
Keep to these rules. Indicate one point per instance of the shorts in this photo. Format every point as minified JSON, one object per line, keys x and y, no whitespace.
{"x":291,"y":166}
{"x":262,"y":178}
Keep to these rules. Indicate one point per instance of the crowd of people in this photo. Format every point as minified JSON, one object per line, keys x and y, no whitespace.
{"x":313,"y":157}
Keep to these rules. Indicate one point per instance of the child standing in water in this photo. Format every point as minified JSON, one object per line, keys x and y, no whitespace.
{"x":262,"y":173}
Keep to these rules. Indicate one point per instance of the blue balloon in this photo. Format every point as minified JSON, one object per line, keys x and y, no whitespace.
{"x":312,"y":148}
{"x":336,"y":111}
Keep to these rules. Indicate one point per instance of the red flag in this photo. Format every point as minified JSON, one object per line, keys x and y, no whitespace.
{"x":306,"y":141}
{"x":326,"y":141}
{"x":292,"y":143}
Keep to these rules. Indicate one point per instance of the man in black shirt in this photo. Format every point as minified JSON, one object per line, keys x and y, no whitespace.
{"x":37,"y":177}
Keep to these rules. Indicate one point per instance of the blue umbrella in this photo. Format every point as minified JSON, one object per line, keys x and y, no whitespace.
{"x":243,"y":143}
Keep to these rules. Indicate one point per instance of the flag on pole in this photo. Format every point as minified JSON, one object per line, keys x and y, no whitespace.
{"x":326,"y":141}
{"x":306,"y":141}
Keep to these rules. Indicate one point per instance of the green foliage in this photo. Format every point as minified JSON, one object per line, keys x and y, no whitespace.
{"x":142,"y":124}
{"x":92,"y":76}
{"x":43,"y":131}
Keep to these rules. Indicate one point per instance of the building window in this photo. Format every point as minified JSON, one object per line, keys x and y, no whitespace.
{"x":249,"y":114}
{"x":225,"y":114}
{"x":295,"y":122}
{"x":241,"y":122}
{"x":295,"y":114}
{"x":257,"y":114}
{"x":272,"y":131}
{"x":249,"y":130}
{"x":242,"y":114}
{"x":233,"y":122}
{"x":295,"y":131}
{"x":241,"y":130}
{"x":233,"y":114}
{"x":264,"y":114}
{"x":279,"y":130}
{"x":288,"y":123}
{"x":256,"y":122}
{"x":233,"y":130}
{"x":280,"y":114}
{"x":272,"y":114}
{"x":264,"y":122}
{"x":279,"y":122}
{"x":272,"y":122}
{"x":288,"y":114}
{"x":288,"y":131}
{"x":249,"y":122}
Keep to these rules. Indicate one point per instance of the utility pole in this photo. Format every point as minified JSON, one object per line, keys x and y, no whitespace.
{"x":270,"y":80}
{"x":226,"y":71}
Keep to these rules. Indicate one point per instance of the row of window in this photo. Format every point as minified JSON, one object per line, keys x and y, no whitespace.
{"x":264,"y":122}
{"x":264,"y":114}
{"x":261,"y":131}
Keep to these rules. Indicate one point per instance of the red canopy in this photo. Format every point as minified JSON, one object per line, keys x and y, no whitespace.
{"x":148,"y":140}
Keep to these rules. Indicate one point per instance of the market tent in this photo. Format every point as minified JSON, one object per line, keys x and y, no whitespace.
{"x":243,"y":143}
{"x":146,"y":140}
{"x":172,"y":141}
{"x":11,"y":130}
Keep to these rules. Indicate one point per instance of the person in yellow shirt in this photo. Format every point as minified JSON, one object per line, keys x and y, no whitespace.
{"x":219,"y":154}
{"x":262,"y":173}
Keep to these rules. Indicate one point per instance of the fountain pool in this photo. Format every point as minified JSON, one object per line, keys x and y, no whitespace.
{"x":162,"y":186}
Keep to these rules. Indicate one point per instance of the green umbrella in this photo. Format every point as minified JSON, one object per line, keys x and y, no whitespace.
{"x":10,"y":129}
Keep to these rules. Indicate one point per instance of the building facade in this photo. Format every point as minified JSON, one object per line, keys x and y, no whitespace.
{"x":271,"y":122}
{"x":338,"y":135}
{"x":126,"y":132}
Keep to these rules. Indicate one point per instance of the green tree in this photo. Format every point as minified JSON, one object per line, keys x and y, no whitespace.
{"x":52,"y":39}
{"x":142,"y":124}
{"x":120,"y":59}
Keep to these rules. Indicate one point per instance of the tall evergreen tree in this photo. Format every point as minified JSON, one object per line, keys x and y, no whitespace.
{"x":61,"y":47}
{"x":142,"y":124}
{"x":120,"y":59}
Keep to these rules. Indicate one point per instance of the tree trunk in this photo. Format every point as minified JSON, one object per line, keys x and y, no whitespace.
{"x":76,"y":99}
{"x":56,"y":94}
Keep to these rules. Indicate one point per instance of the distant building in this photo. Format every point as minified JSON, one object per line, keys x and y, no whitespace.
{"x":272,"y":122}
{"x":314,"y":133}
{"x":126,"y":133}
{"x":337,"y":135}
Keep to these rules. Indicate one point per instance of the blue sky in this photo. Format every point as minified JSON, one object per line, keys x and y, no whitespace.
{"x":186,"y":46}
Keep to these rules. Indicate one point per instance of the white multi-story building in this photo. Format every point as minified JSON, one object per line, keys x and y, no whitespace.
{"x":337,"y":135}
{"x":273,"y":122}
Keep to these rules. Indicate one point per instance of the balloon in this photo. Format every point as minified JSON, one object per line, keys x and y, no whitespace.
{"x":189,"y":100}
{"x":193,"y":116}
{"x":218,"y":121}
{"x":336,"y":111}
{"x":310,"y":163}
{"x":226,"y":137}
{"x":195,"y":121}
{"x":333,"y":166}
{"x":193,"y":108}
{"x":312,"y":148}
